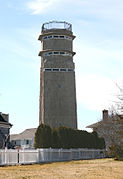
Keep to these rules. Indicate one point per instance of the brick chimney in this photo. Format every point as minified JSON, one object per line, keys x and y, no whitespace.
{"x":105,"y":114}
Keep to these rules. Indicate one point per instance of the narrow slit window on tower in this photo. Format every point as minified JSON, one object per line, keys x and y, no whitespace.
{"x":49,"y":37}
{"x":68,"y":54}
{"x":47,"y":69}
{"x":45,"y":54}
{"x":69,"y":38}
{"x":70,"y":69}
{"x":62,"y":36}
{"x":56,"y":53}
{"x":62,"y":53}
{"x":62,"y":69}
{"x":55,"y":69}
{"x":50,"y":53}
{"x":55,"y":36}
{"x":45,"y":37}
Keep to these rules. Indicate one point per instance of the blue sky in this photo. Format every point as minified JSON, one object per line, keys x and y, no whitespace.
{"x":98,"y":26}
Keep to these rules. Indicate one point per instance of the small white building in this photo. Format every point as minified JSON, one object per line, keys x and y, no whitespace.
{"x":23,"y":140}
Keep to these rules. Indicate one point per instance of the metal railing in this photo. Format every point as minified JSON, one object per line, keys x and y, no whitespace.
{"x":13,"y":157}
{"x":56,"y":25}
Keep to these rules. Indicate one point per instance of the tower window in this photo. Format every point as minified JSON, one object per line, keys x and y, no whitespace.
{"x":59,"y":69}
{"x":47,"y":69}
{"x":62,"y":53}
{"x":56,"y":52}
{"x":62,"y":36}
{"x":49,"y":37}
{"x":50,"y":53}
{"x":45,"y":37}
{"x":55,"y":69}
{"x":70,"y":69}
{"x":62,"y":69}
{"x":55,"y":36}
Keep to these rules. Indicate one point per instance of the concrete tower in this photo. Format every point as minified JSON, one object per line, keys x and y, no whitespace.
{"x":57,"y":76}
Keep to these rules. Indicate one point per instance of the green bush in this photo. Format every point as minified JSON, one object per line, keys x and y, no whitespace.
{"x":43,"y":137}
{"x":66,"y":138}
{"x":55,"y":139}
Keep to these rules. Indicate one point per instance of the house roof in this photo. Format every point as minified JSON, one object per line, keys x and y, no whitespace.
{"x":26,"y":134}
{"x":97,"y":124}
{"x":94,"y":125}
{"x":2,"y":119}
{"x":4,"y":123}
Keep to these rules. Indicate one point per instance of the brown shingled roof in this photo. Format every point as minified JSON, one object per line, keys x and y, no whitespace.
{"x":94,"y":125}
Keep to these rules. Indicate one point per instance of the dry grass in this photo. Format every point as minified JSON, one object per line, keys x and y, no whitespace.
{"x":84,"y":169}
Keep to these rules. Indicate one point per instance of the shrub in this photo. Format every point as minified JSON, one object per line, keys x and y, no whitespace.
{"x":116,"y":152}
{"x":66,"y":138}
{"x":55,"y":139}
{"x":43,"y":137}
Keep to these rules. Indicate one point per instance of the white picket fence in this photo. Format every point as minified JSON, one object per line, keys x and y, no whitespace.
{"x":13,"y":157}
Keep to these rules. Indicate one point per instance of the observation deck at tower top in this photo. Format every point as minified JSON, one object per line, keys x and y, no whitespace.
{"x":56,"y":25}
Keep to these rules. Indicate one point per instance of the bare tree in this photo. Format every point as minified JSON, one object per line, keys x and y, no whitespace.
{"x":119,"y":100}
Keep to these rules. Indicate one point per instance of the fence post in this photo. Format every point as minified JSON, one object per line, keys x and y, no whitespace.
{"x":18,"y":156}
{"x":38,"y":156}
{"x":23,"y":156}
{"x":5,"y":155}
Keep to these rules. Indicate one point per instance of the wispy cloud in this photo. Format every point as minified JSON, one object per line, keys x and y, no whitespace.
{"x":96,"y":92}
{"x":100,"y":9}
{"x":40,"y":6}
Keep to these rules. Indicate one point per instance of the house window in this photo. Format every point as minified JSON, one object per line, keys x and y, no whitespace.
{"x":27,"y":142}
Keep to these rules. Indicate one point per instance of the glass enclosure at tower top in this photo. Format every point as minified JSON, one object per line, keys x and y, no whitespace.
{"x":56,"y":25}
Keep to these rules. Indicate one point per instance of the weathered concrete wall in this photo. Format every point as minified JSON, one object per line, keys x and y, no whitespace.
{"x":58,"y":62}
{"x":60,"y":99}
{"x":57,"y":44}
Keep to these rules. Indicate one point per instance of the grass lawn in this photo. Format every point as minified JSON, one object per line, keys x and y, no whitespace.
{"x":84,"y":169}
